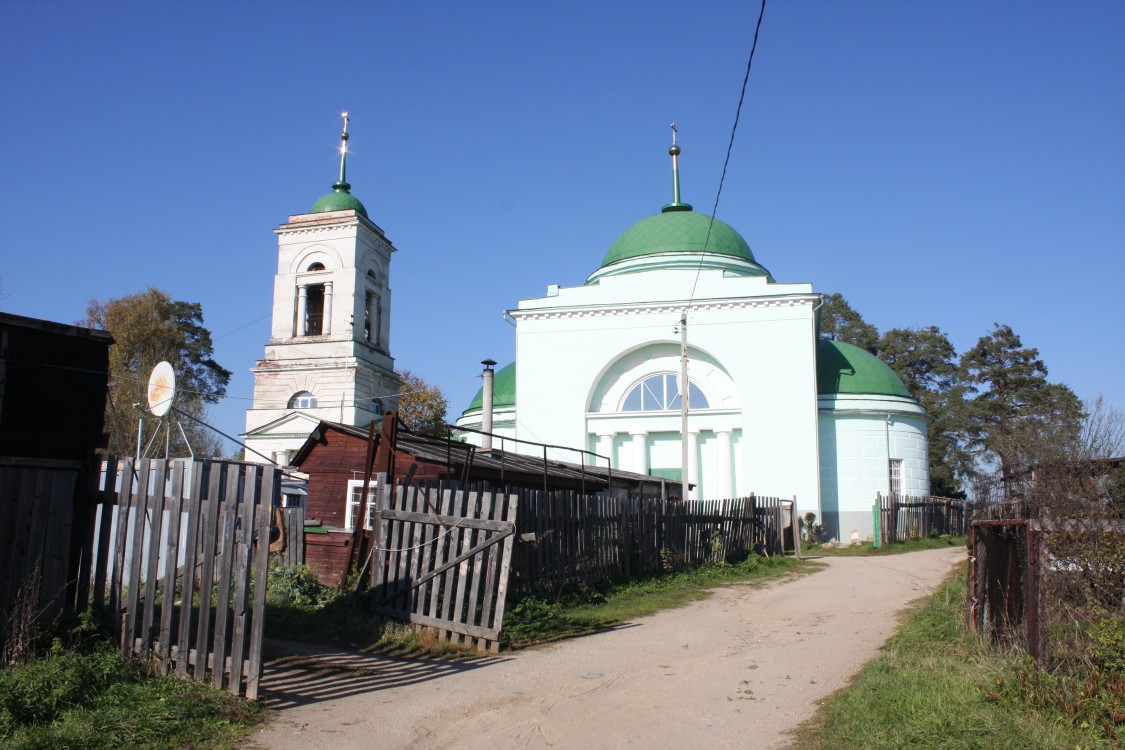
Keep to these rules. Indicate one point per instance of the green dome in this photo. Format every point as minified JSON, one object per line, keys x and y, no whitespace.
{"x":503,"y":391}
{"x":339,"y":200}
{"x":677,"y":229}
{"x":844,"y":369}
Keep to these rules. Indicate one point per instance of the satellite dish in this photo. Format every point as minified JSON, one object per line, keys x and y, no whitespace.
{"x":161,"y":389}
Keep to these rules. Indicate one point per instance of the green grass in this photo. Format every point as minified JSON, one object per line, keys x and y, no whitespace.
{"x":99,"y":700}
{"x":534,"y":620}
{"x":869,"y":549}
{"x":935,"y":685}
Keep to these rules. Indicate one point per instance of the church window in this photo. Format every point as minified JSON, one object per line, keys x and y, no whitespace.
{"x":316,"y":266}
{"x":355,"y":494}
{"x":314,"y":310}
{"x":661,"y":392}
{"x":302,"y":400}
{"x":895,"y":470}
{"x":372,"y":318}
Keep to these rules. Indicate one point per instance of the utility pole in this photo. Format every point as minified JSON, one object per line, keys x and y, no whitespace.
{"x":685,"y":399}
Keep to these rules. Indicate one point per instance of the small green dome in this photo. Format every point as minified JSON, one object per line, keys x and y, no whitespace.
{"x":339,"y":200}
{"x":503,"y":391}
{"x":844,"y":369}
{"x":677,"y":229}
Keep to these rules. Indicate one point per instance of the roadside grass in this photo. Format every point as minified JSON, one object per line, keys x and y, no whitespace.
{"x":868,"y":549}
{"x":534,"y":620}
{"x":101,"y":701}
{"x":935,"y":685}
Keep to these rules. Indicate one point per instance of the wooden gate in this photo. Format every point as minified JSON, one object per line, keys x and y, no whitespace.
{"x":441,"y":558}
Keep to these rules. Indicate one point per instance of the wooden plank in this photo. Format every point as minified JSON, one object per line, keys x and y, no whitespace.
{"x":270,"y":494}
{"x":454,"y":548}
{"x":381,"y":529}
{"x":137,"y":505}
{"x":505,"y":566}
{"x":429,"y":540}
{"x":442,"y":545}
{"x":58,"y":533}
{"x":9,"y":512}
{"x":225,"y":555}
{"x":80,"y":571}
{"x":106,"y":507}
{"x":416,"y":597}
{"x":440,"y":624}
{"x":241,"y":563}
{"x":154,"y":518}
{"x":171,"y":559}
{"x":464,"y":567}
{"x":193,"y":507}
{"x":121,"y":534}
{"x":212,"y":509}
{"x":462,"y":522}
{"x":474,"y":603}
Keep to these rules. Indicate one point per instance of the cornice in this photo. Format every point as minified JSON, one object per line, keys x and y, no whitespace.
{"x":664,"y":308}
{"x":371,"y":232}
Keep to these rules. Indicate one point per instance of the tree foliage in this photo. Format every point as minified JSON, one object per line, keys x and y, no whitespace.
{"x":422,"y":407}
{"x":1012,"y":418}
{"x":926,"y":362}
{"x":150,"y":327}
{"x":840,"y":322}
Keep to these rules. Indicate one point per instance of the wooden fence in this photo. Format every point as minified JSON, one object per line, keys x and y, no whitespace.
{"x":567,"y":538}
{"x":36,"y":540}
{"x":288,"y":548}
{"x":440,"y":559}
{"x":900,"y":519}
{"x":174,"y":553}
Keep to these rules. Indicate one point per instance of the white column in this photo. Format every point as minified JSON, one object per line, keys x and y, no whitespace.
{"x":326,"y":326}
{"x":693,"y":461}
{"x":726,"y":490}
{"x":640,"y":451}
{"x":605,"y":445}
{"x":302,"y":309}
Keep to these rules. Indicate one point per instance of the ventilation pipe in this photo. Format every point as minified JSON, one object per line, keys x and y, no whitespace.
{"x":489,"y":376}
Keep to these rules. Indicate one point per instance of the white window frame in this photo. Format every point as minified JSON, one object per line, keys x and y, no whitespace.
{"x":355,"y":489}
{"x":894,"y":477}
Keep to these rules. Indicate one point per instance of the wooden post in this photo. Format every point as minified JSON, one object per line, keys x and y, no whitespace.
{"x":796,"y":531}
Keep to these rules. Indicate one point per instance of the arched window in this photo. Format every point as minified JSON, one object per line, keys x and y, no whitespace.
{"x":302,"y":400}
{"x":661,"y":392}
{"x":318,"y":266}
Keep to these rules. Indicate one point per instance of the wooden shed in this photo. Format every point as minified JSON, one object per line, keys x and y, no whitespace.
{"x":333,"y":457}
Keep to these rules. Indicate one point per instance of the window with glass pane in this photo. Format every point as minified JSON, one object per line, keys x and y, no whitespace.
{"x":896,"y":477}
{"x":661,"y":392}
{"x":355,"y":492}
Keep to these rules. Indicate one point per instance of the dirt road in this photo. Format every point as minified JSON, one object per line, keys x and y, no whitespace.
{"x":735,"y":671}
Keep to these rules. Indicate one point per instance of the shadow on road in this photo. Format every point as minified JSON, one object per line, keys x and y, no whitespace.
{"x":296,"y":674}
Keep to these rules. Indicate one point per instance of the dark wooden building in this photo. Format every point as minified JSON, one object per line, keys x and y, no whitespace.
{"x":334,"y":457}
{"x":53,"y":381}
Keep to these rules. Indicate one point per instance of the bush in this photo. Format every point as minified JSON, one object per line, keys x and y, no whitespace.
{"x":296,"y":586}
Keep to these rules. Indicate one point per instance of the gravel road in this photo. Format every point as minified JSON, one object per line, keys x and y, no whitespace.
{"x":737,"y":670}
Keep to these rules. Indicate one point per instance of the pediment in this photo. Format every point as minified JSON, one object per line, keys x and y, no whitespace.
{"x":294,"y":424}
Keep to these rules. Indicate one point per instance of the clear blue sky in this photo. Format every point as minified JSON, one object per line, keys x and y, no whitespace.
{"x":955,"y":164}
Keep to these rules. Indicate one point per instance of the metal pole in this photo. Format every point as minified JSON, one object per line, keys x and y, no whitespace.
{"x":140,"y":431}
{"x":684,"y":403}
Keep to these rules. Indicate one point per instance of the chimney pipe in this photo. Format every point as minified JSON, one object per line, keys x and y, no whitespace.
{"x":489,"y":376}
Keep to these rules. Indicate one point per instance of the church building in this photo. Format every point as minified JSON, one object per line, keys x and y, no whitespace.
{"x":773,"y":408}
{"x":329,"y":355}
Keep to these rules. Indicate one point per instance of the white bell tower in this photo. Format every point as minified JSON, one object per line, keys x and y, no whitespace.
{"x":329,"y":351}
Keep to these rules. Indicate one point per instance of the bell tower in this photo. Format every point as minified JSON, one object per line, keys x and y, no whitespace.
{"x":329,"y":354}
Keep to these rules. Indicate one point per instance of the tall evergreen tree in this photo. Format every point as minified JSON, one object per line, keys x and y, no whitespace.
{"x":840,"y":322}
{"x":1011,"y":414}
{"x":926,"y":362}
{"x":150,"y":327}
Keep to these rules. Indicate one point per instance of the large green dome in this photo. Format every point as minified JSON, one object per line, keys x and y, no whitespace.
{"x":677,"y":229}
{"x":339,"y":200}
{"x":844,"y":369}
{"x":503,"y":391}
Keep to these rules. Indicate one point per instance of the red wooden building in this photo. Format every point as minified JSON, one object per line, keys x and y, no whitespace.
{"x":334,"y":456}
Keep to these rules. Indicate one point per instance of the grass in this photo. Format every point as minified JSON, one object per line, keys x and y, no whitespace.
{"x":868,"y":549}
{"x":99,"y":700}
{"x":935,"y":685}
{"x":534,"y":620}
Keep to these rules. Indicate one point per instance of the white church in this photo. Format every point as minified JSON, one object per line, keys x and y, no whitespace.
{"x":773,"y":409}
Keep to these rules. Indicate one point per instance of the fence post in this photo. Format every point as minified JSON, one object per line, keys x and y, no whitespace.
{"x":875,"y":515}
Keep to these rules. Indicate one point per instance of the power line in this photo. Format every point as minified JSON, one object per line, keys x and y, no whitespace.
{"x":730,"y":147}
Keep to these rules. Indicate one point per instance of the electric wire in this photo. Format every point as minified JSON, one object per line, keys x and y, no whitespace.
{"x":730,"y":148}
